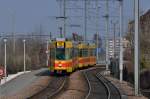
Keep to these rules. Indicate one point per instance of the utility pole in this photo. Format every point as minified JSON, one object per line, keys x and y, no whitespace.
{"x":50,"y":35}
{"x":136,"y":49}
{"x":24,"y":58}
{"x":5,"y":59}
{"x":121,"y":40}
{"x":47,"y":52}
{"x":64,"y":18}
{"x":14,"y":40}
{"x":114,"y":38}
{"x":97,"y":32}
{"x":85,"y":20}
{"x":107,"y":34}
{"x":61,"y":35}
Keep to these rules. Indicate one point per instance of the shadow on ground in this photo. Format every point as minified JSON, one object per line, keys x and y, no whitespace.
{"x":47,"y":73}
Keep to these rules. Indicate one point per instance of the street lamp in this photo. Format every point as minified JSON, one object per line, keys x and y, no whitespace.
{"x":5,"y":40}
{"x":47,"y":52}
{"x":121,"y":45}
{"x":136,"y":49}
{"x":114,"y":38}
{"x":24,"y":58}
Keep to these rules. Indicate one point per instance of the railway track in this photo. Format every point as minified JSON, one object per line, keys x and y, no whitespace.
{"x":113,"y":92}
{"x":55,"y":86}
{"x":99,"y":87}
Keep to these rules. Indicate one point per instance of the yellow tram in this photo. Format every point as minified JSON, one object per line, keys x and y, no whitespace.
{"x":67,"y":56}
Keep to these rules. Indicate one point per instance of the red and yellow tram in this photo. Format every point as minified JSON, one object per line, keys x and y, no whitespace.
{"x":66,"y":56}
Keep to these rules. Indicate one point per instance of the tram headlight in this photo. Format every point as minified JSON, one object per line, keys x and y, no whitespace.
{"x":60,"y":65}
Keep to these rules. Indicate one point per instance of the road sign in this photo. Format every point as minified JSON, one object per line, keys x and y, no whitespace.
{"x":1,"y":71}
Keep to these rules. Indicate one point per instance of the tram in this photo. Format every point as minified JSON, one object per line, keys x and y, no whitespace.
{"x":67,"y":56}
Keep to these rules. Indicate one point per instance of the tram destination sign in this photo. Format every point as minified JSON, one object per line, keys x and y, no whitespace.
{"x":60,"y":44}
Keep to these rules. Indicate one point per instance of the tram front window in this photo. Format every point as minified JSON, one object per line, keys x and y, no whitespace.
{"x":60,"y":54}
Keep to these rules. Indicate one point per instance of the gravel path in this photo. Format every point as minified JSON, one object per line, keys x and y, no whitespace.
{"x":76,"y":88}
{"x":55,"y":85}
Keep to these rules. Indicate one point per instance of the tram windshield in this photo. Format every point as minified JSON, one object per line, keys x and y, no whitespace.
{"x":60,"y":54}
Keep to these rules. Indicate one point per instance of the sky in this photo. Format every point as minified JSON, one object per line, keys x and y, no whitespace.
{"x":25,"y":16}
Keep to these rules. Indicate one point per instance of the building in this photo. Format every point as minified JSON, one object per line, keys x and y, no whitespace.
{"x":114,"y":47}
{"x":144,"y":37}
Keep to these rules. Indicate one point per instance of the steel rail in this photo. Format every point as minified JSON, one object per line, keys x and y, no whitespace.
{"x":89,"y":84}
{"x":106,"y":86}
{"x":57,"y":90}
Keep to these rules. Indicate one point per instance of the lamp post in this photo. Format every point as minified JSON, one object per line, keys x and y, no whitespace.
{"x":107,"y":35}
{"x":97,"y":31}
{"x":114,"y":38}
{"x":24,"y":58}
{"x":121,"y":39}
{"x":136,"y":49}
{"x":47,"y":52}
{"x":5,"y":61}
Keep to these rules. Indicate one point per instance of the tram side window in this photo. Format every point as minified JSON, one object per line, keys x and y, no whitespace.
{"x":52,"y":56}
{"x":53,"y":53}
{"x":84,"y":52}
{"x":80,"y":52}
{"x":91,"y":52}
{"x":94,"y":52}
{"x":69,"y":53}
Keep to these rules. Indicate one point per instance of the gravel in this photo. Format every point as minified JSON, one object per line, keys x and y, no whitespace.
{"x":76,"y":88}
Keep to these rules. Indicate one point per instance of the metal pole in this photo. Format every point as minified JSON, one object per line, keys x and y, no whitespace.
{"x":107,"y":34}
{"x":85,"y":19}
{"x":5,"y":61}
{"x":136,"y":49}
{"x":114,"y":38}
{"x":64,"y":18}
{"x":24,"y":59}
{"x":61,"y":35}
{"x":47,"y":53}
{"x":14,"y":40}
{"x":121,"y":40}
{"x":97,"y":8}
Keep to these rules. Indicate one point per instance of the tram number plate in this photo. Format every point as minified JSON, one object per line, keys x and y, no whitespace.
{"x":60,"y":44}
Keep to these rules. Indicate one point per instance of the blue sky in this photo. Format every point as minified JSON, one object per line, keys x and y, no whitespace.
{"x":26,"y":15}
